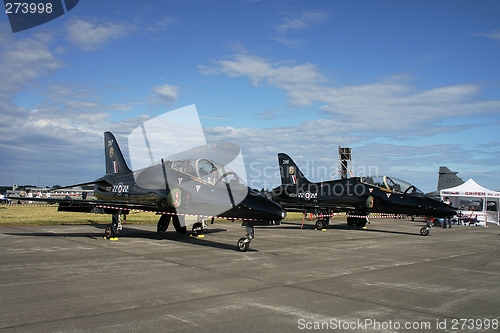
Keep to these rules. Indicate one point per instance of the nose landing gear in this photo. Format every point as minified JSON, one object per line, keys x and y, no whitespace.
{"x":199,"y":228}
{"x":244,"y":242}
{"x":424,"y":231}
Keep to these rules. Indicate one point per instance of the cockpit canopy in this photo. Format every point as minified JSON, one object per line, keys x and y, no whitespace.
{"x":208,"y":171}
{"x":391,"y":184}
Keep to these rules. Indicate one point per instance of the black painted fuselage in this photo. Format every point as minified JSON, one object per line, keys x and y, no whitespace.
{"x":360,"y":195}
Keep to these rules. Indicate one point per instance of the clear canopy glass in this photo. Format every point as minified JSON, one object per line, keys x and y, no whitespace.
{"x":392,"y":184}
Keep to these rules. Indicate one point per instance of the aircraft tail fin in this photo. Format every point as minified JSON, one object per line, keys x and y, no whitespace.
{"x":290,"y":172}
{"x":448,"y":178}
{"x":115,"y":162}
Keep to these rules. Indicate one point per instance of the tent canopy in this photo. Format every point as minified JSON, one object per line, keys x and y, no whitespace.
{"x":470,"y":189}
{"x":474,"y":200}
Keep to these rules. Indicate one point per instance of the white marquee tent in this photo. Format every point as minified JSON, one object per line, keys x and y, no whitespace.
{"x":474,"y":201}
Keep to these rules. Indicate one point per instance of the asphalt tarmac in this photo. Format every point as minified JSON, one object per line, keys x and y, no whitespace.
{"x":387,"y":278}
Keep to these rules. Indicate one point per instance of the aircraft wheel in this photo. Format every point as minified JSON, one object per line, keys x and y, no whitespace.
{"x":163,"y":223}
{"x":197,"y":229}
{"x":243,"y":244}
{"x":350,"y":221}
{"x":319,"y":225}
{"x":177,"y":224}
{"x":424,"y":231}
{"x":108,"y":233}
{"x":361,"y":222}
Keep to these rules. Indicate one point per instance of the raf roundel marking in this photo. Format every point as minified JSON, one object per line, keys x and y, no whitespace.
{"x":120,"y":188}
{"x":307,"y":195}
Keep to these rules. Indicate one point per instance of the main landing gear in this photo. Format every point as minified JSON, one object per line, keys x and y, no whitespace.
{"x":322,"y":223}
{"x":357,"y":219}
{"x":177,"y":220}
{"x":179,"y":223}
{"x":323,"y":220}
{"x":199,"y":228}
{"x":116,"y":225}
{"x":244,"y":242}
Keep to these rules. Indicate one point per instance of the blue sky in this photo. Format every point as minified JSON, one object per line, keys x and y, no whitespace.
{"x":409,"y":85}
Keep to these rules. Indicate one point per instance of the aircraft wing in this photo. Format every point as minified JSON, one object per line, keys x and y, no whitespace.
{"x":98,"y":181}
{"x":75,"y":205}
{"x":301,"y":206}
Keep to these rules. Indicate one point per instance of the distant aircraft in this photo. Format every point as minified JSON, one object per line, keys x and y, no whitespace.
{"x":358,"y":196}
{"x":202,"y":187}
{"x":446,"y":179}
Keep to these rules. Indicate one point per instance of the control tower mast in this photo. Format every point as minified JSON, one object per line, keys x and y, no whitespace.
{"x":344,"y":158}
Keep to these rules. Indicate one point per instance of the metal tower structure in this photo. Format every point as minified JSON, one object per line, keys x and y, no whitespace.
{"x":344,"y":158}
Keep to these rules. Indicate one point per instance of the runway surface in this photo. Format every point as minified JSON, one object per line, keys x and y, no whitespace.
{"x":384,"y":279}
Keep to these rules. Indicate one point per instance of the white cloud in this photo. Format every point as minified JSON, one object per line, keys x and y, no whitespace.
{"x":368,"y":115}
{"x":62,"y":135}
{"x":65,"y":138}
{"x":41,"y":136}
{"x":260,"y":70}
{"x":288,"y":42}
{"x":302,"y":21}
{"x":493,"y":34}
{"x":313,"y":144}
{"x":63,"y":132}
{"x":298,"y":22}
{"x":23,"y":61}
{"x":387,"y":103}
{"x":163,"y":24}
{"x":90,"y":35}
{"x":167,"y":94}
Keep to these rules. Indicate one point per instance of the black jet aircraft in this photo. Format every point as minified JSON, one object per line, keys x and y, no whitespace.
{"x":358,"y":196}
{"x":203,"y":188}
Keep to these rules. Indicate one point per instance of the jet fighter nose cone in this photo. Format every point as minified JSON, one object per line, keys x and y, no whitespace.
{"x":260,"y":208}
{"x":273,"y":211}
{"x":452,"y":210}
{"x":442,"y":209}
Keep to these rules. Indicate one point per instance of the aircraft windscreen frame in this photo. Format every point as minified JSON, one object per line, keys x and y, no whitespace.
{"x":217,"y":175}
{"x":392,"y":184}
